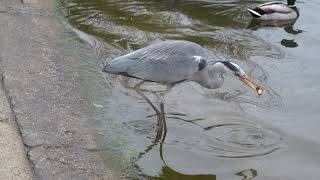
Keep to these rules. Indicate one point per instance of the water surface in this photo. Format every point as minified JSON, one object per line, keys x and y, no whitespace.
{"x":229,"y":133}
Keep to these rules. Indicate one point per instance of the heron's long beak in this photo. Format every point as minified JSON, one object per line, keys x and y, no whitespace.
{"x":245,"y":79}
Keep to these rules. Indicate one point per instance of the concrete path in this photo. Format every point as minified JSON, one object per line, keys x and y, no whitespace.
{"x":42,"y":83}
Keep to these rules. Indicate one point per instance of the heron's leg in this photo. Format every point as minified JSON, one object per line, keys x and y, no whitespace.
{"x":153,"y":106}
{"x":137,"y":88}
{"x":125,"y":82}
{"x":163,"y":124}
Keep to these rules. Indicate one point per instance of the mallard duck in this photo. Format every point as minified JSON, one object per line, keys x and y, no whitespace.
{"x":276,"y":11}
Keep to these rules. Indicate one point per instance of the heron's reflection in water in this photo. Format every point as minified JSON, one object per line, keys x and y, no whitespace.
{"x":169,"y":173}
{"x":288,"y":27}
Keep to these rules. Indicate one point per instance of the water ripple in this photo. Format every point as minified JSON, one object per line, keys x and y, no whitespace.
{"x":240,"y":140}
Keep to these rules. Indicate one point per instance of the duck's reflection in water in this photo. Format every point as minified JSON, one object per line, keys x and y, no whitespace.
{"x":288,"y":27}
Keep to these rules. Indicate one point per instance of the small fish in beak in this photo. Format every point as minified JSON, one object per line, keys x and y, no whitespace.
{"x":237,"y":70}
{"x":245,"y":79}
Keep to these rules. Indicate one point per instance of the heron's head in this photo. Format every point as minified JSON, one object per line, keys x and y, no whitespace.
{"x":225,"y":66}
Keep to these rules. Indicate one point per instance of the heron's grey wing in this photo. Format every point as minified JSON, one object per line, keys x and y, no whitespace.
{"x":274,"y":7}
{"x":165,"y":62}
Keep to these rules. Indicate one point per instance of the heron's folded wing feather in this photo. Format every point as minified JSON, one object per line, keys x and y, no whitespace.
{"x":166,"y":62}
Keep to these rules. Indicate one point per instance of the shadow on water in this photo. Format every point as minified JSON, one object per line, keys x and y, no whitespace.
{"x":221,"y":135}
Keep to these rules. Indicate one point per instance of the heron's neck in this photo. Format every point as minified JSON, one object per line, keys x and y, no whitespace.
{"x":210,"y":80}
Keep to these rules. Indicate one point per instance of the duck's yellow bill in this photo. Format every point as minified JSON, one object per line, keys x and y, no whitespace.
{"x":245,"y":79}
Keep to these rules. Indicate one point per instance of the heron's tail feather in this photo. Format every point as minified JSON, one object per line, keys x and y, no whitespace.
{"x":107,"y":69}
{"x":120,"y":65}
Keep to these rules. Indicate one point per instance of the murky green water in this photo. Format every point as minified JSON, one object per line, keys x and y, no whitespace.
{"x":228,"y":133}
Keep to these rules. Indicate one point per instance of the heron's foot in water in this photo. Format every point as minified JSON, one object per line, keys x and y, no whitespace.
{"x":151,"y":91}
{"x":175,"y":116}
{"x":172,"y":113}
{"x":186,"y":120}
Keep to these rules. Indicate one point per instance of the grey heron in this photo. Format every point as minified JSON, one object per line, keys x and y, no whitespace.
{"x":174,"y":61}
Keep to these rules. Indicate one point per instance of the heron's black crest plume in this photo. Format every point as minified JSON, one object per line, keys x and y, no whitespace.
{"x":230,"y":65}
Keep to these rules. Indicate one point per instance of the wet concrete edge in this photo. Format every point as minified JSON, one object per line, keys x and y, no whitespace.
{"x":14,"y":163}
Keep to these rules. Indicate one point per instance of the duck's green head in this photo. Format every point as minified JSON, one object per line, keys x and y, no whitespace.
{"x":291,"y":2}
